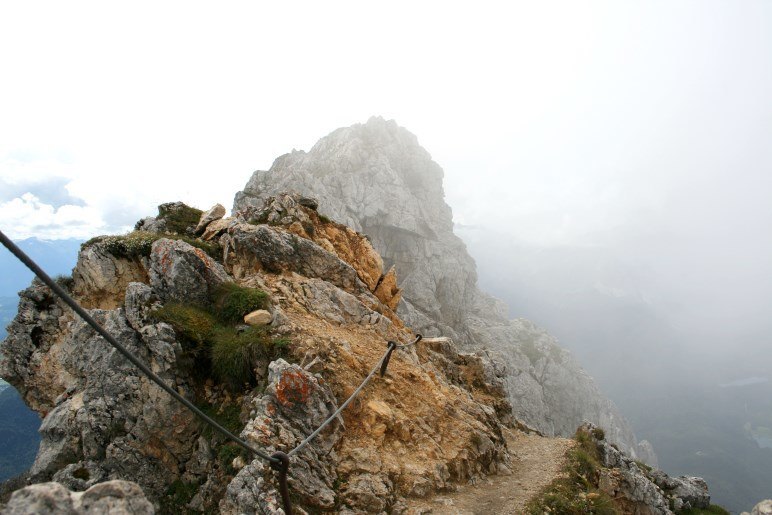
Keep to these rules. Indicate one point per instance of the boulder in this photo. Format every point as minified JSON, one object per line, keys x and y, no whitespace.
{"x":115,"y":497}
{"x":214,"y":213}
{"x":216,"y":228}
{"x":262,"y":247}
{"x":183,"y":273}
{"x":762,"y":508}
{"x":387,"y":290}
{"x":258,"y":317}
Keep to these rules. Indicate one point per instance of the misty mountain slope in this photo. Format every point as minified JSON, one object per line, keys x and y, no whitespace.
{"x":376,"y":178}
{"x":593,"y":301}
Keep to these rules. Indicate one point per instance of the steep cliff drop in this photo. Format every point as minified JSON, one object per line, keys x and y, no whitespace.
{"x":377,"y":179}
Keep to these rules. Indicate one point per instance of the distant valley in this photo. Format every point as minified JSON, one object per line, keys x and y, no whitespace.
{"x":18,"y":424}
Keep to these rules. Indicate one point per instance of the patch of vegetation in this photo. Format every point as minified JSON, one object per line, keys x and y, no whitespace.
{"x":234,"y":351}
{"x":713,"y":509}
{"x":324,"y":219}
{"x":194,"y":327}
{"x":214,"y":341}
{"x":179,"y":217}
{"x":65,"y":281}
{"x":227,"y":415}
{"x":178,"y":495}
{"x":139,"y":244}
{"x":232,"y":302}
{"x":576,"y":492}
{"x":227,"y":453}
{"x":643,"y":466}
{"x":598,"y":433}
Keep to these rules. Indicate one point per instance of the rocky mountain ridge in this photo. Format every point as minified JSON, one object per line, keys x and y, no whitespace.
{"x":377,"y":179}
{"x":436,"y":420}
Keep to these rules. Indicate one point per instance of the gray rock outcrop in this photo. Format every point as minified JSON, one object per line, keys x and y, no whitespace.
{"x":762,"y":508}
{"x":642,"y":489}
{"x":113,"y":497}
{"x":377,"y":179}
{"x":435,"y":419}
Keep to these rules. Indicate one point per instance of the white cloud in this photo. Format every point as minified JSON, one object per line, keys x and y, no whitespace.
{"x":27,"y":216}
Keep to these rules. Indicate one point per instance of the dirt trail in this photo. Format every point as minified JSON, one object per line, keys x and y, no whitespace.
{"x":536,"y":462}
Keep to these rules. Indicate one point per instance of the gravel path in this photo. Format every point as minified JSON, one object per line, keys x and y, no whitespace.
{"x":536,"y":462}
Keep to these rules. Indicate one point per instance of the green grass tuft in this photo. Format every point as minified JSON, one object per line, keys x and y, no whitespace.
{"x":139,"y":244}
{"x":178,"y":495}
{"x":235,"y":352}
{"x":232,"y":302}
{"x":179,"y":217}
{"x":193,"y":324}
{"x":227,"y":415}
{"x":214,"y":345}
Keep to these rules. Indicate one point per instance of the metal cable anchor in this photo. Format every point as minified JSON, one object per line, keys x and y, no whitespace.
{"x":281,"y":465}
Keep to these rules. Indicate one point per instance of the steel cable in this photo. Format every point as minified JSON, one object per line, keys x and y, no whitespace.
{"x":29,"y":263}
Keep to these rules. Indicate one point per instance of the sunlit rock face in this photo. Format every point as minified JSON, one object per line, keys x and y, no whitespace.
{"x":377,"y":179}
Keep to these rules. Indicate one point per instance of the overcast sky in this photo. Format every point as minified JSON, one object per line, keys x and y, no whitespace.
{"x":644,"y":127}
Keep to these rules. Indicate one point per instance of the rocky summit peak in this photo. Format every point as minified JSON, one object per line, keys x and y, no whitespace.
{"x":376,"y":178}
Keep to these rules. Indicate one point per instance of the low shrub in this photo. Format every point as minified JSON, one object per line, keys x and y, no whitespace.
{"x":194,"y":325}
{"x":235,"y":353}
{"x":227,"y":453}
{"x":232,"y":302}
{"x":178,"y":495}
{"x":227,"y":415}
{"x":215,"y":345}
{"x":179,"y":217}
{"x":140,"y":243}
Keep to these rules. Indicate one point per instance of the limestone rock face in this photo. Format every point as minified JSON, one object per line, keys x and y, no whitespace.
{"x":378,"y":180}
{"x":95,"y":405}
{"x":181,"y":272}
{"x":642,"y":490}
{"x":114,"y":497}
{"x":435,"y":419}
{"x":215,"y":213}
{"x":100,"y":279}
{"x":762,"y":508}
